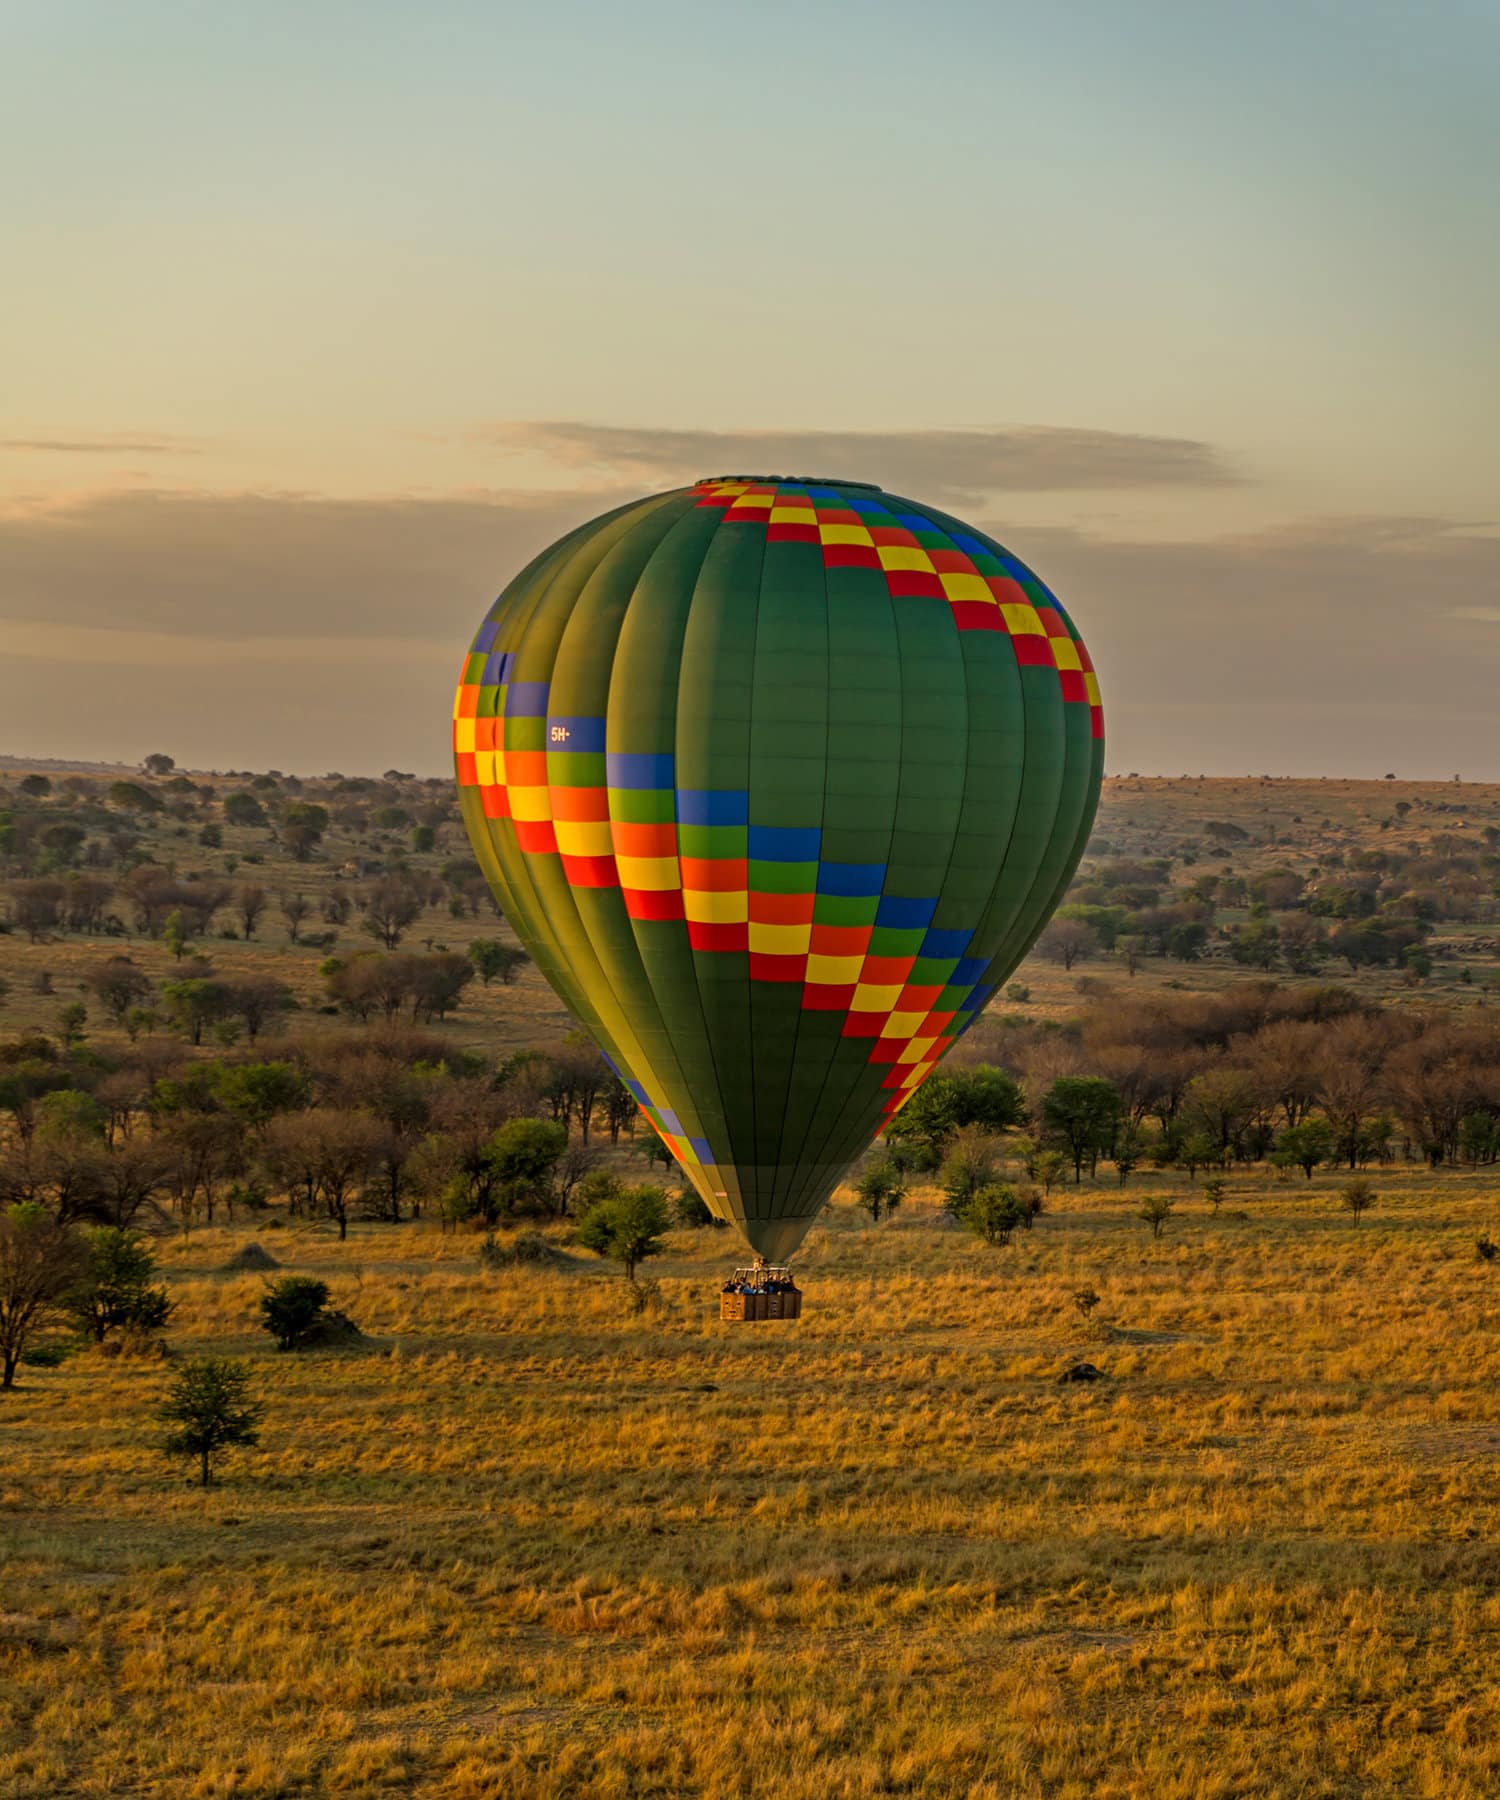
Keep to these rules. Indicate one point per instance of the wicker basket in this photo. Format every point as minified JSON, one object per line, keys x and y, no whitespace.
{"x":784,"y":1301}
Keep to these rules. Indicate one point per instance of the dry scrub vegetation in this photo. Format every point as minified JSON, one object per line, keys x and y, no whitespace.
{"x":524,"y":1544}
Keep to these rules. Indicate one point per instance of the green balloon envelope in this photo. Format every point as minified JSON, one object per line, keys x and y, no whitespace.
{"x":777,"y":780}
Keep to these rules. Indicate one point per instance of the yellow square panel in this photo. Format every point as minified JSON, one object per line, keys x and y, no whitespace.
{"x":746,"y":501}
{"x":716,"y":907}
{"x":916,"y":1050}
{"x":1022,"y":621}
{"x":530,"y":804}
{"x":917,"y":1073}
{"x":656,"y":873}
{"x":1065,"y":653}
{"x":1091,"y":686}
{"x":903,"y":1024}
{"x":464,"y":731}
{"x":869,"y":998}
{"x":966,"y":587}
{"x":780,"y":940}
{"x":835,"y":971}
{"x":584,"y":837}
{"x":904,"y":556}
{"x":485,"y":772}
{"x":845,"y":534}
{"x":793,"y":515}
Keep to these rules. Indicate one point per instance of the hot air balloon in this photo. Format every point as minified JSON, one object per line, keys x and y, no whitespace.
{"x":777,"y":780}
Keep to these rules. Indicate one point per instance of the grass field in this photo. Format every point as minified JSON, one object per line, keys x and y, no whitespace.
{"x":525,"y":1544}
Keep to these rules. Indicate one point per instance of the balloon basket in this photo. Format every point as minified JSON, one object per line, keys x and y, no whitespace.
{"x":761,"y":1291}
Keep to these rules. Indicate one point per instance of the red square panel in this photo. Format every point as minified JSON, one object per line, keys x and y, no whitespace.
{"x":850,"y":556}
{"x":1033,"y":651}
{"x":817,"y":996}
{"x":765,"y":967}
{"x":590,"y":871}
{"x":840,"y":940}
{"x":653,"y":903}
{"x":915,"y":584}
{"x":703,"y":936}
{"x":977,"y":615}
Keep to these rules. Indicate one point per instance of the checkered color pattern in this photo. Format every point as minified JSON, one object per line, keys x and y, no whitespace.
{"x":778,"y":780}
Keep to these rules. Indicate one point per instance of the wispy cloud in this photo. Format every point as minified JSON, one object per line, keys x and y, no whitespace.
{"x":106,"y":443}
{"x":958,"y":466}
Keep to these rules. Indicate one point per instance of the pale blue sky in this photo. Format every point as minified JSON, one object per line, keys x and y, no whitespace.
{"x":319,"y":250}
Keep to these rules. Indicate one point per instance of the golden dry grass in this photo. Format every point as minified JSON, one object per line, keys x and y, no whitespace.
{"x":527,"y":1546}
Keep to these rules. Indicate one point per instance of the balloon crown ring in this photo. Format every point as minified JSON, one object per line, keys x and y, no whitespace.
{"x":817,"y":481}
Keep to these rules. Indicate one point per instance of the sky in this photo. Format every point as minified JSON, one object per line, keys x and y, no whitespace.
{"x":317,"y":320}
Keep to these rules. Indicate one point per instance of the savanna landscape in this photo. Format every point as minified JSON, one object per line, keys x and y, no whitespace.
{"x":1137,"y":1437}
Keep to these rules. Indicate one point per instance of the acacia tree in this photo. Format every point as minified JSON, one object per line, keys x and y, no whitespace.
{"x":491,"y":958}
{"x":1083,"y":1113}
{"x":627,"y":1228}
{"x":210,"y":1409}
{"x":250,"y":903}
{"x":294,"y":909}
{"x":1067,"y":941}
{"x":114,"y":1285}
{"x":391,"y":906}
{"x":39,"y":1262}
{"x":118,"y":986}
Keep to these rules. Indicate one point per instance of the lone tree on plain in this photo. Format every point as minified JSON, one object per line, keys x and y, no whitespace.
{"x":1214,"y":1190}
{"x":1086,"y":1300}
{"x":880,"y":1189}
{"x":250,"y":903}
{"x":1357,"y":1198}
{"x":1156,"y":1209}
{"x":627,"y":1228}
{"x":210,"y":1409}
{"x":39,"y":1262}
{"x":294,"y":909}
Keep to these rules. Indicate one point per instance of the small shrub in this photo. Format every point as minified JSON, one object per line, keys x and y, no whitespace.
{"x":1085,"y":1300}
{"x":993,"y":1212}
{"x":1156,"y":1209}
{"x":295,"y":1311}
{"x":881,"y":1188}
{"x":1485,"y":1248}
{"x":528,"y":1249}
{"x":1357,"y":1198}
